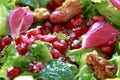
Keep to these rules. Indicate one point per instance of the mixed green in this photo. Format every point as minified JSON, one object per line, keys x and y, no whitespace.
{"x":41,"y":49}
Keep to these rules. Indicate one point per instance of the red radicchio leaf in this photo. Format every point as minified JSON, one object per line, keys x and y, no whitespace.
{"x":19,"y":21}
{"x":100,"y":33}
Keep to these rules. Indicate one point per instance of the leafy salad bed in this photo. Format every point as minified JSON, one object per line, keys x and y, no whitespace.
{"x":44,"y":50}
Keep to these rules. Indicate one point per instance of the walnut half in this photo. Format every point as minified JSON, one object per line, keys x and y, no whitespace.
{"x":40,"y":13}
{"x":101,"y":67}
{"x":69,"y":9}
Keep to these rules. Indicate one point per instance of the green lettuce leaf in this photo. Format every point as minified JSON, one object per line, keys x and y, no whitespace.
{"x":109,"y":12}
{"x":10,"y":4}
{"x":79,"y":56}
{"x":10,"y":54}
{"x":4,"y":12}
{"x":41,"y":50}
{"x":116,"y":59}
{"x":12,"y":58}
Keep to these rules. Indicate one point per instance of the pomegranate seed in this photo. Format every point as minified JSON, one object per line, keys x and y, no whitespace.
{"x":60,"y":47}
{"x":48,"y":26}
{"x":75,"y":22}
{"x":32,"y":32}
{"x":49,"y":38}
{"x":63,"y":42}
{"x":13,"y":72}
{"x":38,"y":37}
{"x":58,"y":28}
{"x":76,"y":33}
{"x":32,"y":39}
{"x":95,"y":19}
{"x":69,"y":41}
{"x":22,"y":49}
{"x":107,"y":50}
{"x":2,"y":45}
{"x":41,"y":31}
{"x":5,"y":41}
{"x":76,"y":44}
{"x":35,"y":67}
{"x":52,"y":5}
{"x":22,"y":39}
{"x":0,"y":50}
{"x":55,"y":53}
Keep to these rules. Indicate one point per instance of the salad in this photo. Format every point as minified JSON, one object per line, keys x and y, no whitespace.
{"x":59,"y":40}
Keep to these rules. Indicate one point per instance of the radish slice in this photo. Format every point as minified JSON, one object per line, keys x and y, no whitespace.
{"x":100,"y":33}
{"x":19,"y":21}
{"x":116,"y":3}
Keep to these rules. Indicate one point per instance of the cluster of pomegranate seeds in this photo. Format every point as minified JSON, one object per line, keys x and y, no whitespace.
{"x":35,"y":67}
{"x":13,"y":72}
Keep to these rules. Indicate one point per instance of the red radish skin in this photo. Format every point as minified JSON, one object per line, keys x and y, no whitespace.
{"x":19,"y":21}
{"x":100,"y":33}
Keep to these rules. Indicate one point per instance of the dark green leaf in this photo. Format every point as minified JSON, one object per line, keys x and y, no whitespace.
{"x":57,"y":70}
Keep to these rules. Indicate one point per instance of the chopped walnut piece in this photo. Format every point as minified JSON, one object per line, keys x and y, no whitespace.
{"x":101,"y":67}
{"x":40,"y":13}
{"x":69,"y":9}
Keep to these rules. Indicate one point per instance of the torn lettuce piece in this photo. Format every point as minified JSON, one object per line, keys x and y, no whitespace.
{"x":116,"y":59}
{"x":109,"y":12}
{"x":10,"y":4}
{"x":12,"y":58}
{"x":79,"y":56}
{"x":4,"y":12}
{"x":10,"y":54}
{"x":57,"y":70}
{"x":73,"y":54}
{"x":41,"y":50}
{"x":88,"y":9}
